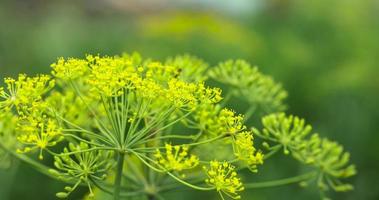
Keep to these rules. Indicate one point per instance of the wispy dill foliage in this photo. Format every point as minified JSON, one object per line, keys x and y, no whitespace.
{"x":133,"y":127}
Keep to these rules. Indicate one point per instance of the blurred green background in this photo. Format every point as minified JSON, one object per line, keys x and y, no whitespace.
{"x":325,"y":52}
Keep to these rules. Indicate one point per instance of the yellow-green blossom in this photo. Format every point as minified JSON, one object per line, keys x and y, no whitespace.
{"x":223,"y":177}
{"x":325,"y":156}
{"x":176,"y":158}
{"x":78,"y":164}
{"x":38,"y":133}
{"x":159,"y":71}
{"x":331,"y":159}
{"x":189,"y":68}
{"x":108,"y":76}
{"x":288,"y":131}
{"x":215,"y":121}
{"x":181,"y":93}
{"x":250,"y":84}
{"x":71,"y":68}
{"x":24,"y":92}
{"x":245,"y":151}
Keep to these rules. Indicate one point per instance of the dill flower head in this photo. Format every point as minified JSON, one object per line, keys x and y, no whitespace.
{"x":223,"y":177}
{"x":79,"y":164}
{"x":181,"y":93}
{"x":190,"y":68}
{"x":250,"y":84}
{"x":38,"y":132}
{"x":231,"y":122}
{"x":108,"y":75}
{"x":159,"y":71}
{"x":176,"y":158}
{"x":215,"y":121}
{"x":245,"y":151}
{"x":328,"y":157}
{"x":289,"y":131}
{"x":125,"y":105}
{"x":24,"y":91}
{"x":325,"y":156}
{"x":70,"y":68}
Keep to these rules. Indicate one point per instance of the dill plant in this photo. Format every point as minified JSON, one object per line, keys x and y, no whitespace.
{"x":136,"y":128}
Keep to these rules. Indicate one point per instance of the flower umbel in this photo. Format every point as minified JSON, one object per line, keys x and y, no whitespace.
{"x":38,"y":133}
{"x":223,"y":177}
{"x":176,"y":158}
{"x":119,"y":116}
{"x":78,"y":163}
{"x":245,"y":151}
{"x":24,"y":92}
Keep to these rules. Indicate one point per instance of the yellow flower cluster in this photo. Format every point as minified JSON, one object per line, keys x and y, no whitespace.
{"x":245,"y":151}
{"x":70,"y":69}
{"x":108,"y":75}
{"x":208,"y":95}
{"x":231,"y":122}
{"x":289,"y":131}
{"x":223,"y":177}
{"x":190,"y":68}
{"x":116,"y":76}
{"x":38,"y":133}
{"x":250,"y":84}
{"x":159,"y":71}
{"x":148,"y":89}
{"x":24,"y":92}
{"x":37,"y":130}
{"x":330,"y":158}
{"x":215,"y":122}
{"x":81,"y":166}
{"x":176,"y":158}
{"x":181,"y":93}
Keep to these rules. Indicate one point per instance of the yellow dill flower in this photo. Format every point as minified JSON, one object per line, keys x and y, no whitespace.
{"x":71,"y":68}
{"x":223,"y":177}
{"x":250,"y":84}
{"x":24,"y":91}
{"x":189,"y":68}
{"x":231,"y":122}
{"x":181,"y":93}
{"x":216,"y":121}
{"x":160,"y":72}
{"x":38,"y":133}
{"x":81,"y":166}
{"x":331,"y":159}
{"x":148,"y":89}
{"x":289,"y":131}
{"x":109,"y":75}
{"x":245,"y":151}
{"x":176,"y":158}
{"x":207,"y":94}
{"x":6,"y":100}
{"x":326,"y":156}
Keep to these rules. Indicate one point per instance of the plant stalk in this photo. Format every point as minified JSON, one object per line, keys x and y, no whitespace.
{"x":280,"y":182}
{"x":117,"y":183}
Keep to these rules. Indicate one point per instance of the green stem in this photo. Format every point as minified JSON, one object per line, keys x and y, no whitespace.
{"x":273,"y":151}
{"x":189,"y":184}
{"x":249,"y":113}
{"x":117,"y":183}
{"x":281,"y":182}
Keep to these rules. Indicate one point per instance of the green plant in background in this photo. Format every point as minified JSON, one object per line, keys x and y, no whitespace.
{"x":129,"y":127}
